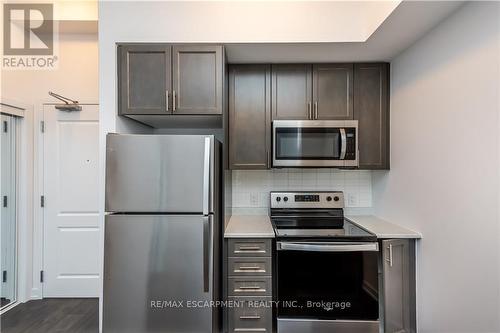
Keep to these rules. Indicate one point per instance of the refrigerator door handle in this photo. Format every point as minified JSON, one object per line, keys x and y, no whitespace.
{"x":207,"y":251}
{"x":206,"y":177}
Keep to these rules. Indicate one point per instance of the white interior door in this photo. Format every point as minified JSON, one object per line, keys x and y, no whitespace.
{"x":8,"y":210}
{"x":72,"y":257}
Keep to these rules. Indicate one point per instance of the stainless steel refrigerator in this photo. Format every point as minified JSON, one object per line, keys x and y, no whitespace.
{"x":162,"y":233}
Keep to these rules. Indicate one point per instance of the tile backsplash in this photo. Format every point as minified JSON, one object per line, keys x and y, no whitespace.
{"x":251,"y":188}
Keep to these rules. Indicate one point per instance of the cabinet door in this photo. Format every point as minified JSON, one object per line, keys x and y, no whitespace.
{"x":371,"y":109}
{"x":292,"y":92}
{"x":197,"y":79}
{"x":144,"y":73}
{"x":332,"y":91}
{"x":249,"y":116}
{"x":398,"y":286}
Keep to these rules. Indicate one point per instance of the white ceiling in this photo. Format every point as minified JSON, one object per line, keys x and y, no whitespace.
{"x":404,"y":26}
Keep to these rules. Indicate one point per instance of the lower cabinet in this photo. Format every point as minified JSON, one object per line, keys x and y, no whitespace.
{"x":397,"y":286}
{"x":250,"y":315}
{"x":249,"y":285}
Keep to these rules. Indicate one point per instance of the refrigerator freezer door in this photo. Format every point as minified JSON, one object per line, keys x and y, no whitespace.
{"x":159,"y":173}
{"x":154,"y":265}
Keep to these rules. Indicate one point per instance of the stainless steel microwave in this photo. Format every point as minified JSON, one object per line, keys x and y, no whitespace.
{"x":315,"y":143}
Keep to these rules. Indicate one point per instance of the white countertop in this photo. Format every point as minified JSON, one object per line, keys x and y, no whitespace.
{"x":382,"y":228}
{"x":249,"y":226}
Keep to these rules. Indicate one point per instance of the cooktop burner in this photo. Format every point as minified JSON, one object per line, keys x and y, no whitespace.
{"x":313,"y":215}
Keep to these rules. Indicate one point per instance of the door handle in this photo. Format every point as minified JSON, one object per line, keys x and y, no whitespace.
{"x":166,"y":98}
{"x":343,"y":143}
{"x":206,"y":177}
{"x":173,"y":101}
{"x":327,"y":247}
{"x":389,"y":260}
{"x":309,"y":113}
{"x":207,"y":249}
{"x":316,"y":110}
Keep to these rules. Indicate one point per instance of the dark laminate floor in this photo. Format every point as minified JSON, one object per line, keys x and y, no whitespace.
{"x":79,"y":315}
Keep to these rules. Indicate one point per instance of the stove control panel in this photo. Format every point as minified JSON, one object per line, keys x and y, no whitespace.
{"x":307,"y":199}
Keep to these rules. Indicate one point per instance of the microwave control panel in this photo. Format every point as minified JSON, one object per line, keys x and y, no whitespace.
{"x":351,"y":143}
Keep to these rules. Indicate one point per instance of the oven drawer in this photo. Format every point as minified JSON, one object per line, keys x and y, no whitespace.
{"x":298,"y":325}
{"x":253,"y":315}
{"x":249,"y":286}
{"x":249,"y":266}
{"x":249,"y":248}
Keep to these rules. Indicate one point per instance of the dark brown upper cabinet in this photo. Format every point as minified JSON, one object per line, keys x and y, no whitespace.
{"x":197,"y":79}
{"x":249,"y":116}
{"x":156,"y":79}
{"x":332,"y":91}
{"x":320,"y":91}
{"x":371,"y":109}
{"x":144,"y":79}
{"x":292,"y":92}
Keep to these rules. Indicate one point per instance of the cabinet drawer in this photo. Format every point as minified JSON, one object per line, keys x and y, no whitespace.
{"x":250,"y":286}
{"x":249,"y":247}
{"x":249,"y":266}
{"x":252,"y":315}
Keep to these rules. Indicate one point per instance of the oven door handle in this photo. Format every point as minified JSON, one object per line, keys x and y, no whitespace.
{"x":327,"y":247}
{"x":343,"y":143}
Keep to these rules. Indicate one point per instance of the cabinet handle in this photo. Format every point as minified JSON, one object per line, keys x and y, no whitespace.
{"x":316,"y":110}
{"x":250,"y":317}
{"x":267,"y":158}
{"x":173,"y":100}
{"x":389,"y":260}
{"x":249,"y":248}
{"x":166,"y":98}
{"x":309,"y":113}
{"x":250,"y":287}
{"x":246,"y":330}
{"x":248,"y":268}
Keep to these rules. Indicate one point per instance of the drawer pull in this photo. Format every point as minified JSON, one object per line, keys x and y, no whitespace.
{"x":250,"y":317}
{"x":250,"y":287}
{"x":249,"y":248}
{"x":250,"y":268}
{"x":250,"y":290}
{"x":250,"y":330}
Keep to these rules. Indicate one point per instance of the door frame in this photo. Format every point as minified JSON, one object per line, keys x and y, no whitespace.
{"x":38,"y":191}
{"x":24,"y":211}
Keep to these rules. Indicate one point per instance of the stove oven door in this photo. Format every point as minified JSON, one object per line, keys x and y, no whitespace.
{"x":327,"y":287}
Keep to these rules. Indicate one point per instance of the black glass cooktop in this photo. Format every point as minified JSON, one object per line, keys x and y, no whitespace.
{"x":328,"y":224}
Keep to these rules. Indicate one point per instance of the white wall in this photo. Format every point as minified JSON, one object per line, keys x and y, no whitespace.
{"x":444,"y":177}
{"x":76,"y":76}
{"x":248,"y":21}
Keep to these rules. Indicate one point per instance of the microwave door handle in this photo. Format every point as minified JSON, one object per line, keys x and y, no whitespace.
{"x":343,"y":143}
